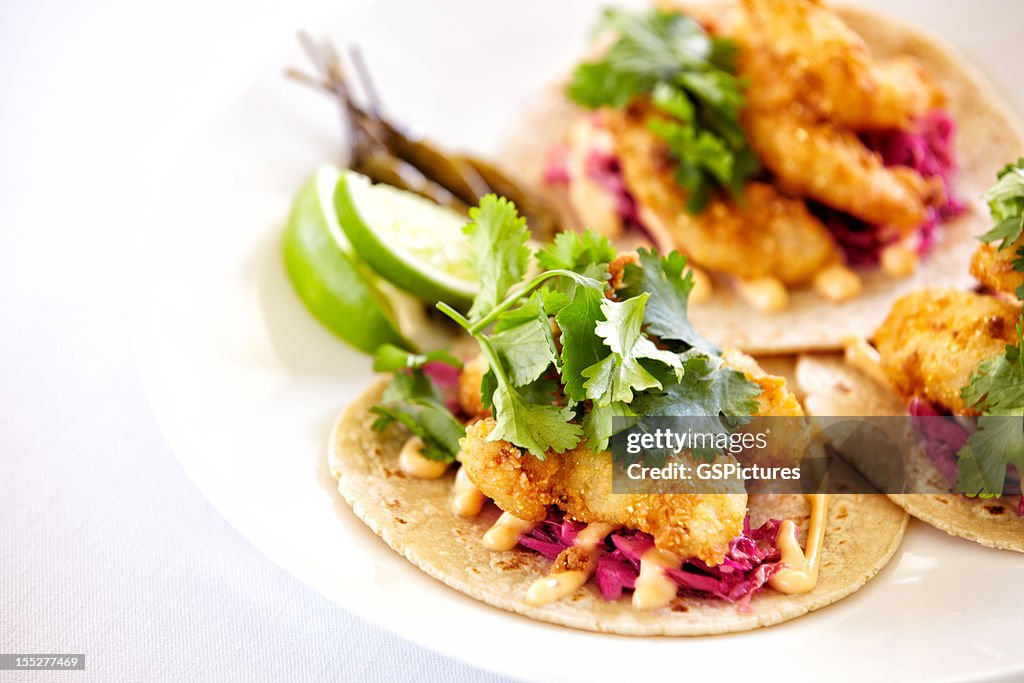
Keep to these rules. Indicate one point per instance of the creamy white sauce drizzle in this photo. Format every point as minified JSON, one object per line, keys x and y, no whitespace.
{"x":412,"y":462}
{"x":467,"y":499}
{"x":654,"y":589}
{"x":505,"y":532}
{"x":865,"y":358}
{"x":800,"y":574}
{"x":558,"y":585}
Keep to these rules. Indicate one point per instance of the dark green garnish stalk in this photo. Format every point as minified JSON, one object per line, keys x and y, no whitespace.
{"x":382,"y":152}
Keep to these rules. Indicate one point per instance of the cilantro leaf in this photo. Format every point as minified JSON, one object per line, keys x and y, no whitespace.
{"x":1008,"y":230}
{"x":1006,"y":204}
{"x":497,"y":235}
{"x":998,"y":441}
{"x":581,"y":348}
{"x":707,"y":388}
{"x":669,"y":285}
{"x":997,"y":386}
{"x":412,"y":400}
{"x":526,"y":349}
{"x":599,"y":424}
{"x":601,"y":84}
{"x":535,"y":427}
{"x":587,"y":253}
{"x":618,"y":375}
{"x":689,"y":76}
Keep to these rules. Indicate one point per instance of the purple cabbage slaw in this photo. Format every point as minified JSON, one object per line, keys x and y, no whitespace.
{"x":943,"y":439}
{"x":927,"y":147}
{"x":603,"y":169}
{"x":751,"y":560}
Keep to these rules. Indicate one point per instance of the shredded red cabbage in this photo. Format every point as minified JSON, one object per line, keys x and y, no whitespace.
{"x":604,"y":169}
{"x":446,"y":379}
{"x":928,"y":149}
{"x":943,"y":438}
{"x":556,"y":166}
{"x":751,"y":560}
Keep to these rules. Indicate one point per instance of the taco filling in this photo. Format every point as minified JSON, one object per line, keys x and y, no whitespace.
{"x":764,"y":142}
{"x":591,"y":343}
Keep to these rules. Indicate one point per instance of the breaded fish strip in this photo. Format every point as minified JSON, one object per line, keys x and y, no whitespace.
{"x":994,"y":268}
{"x":818,"y":160}
{"x":579,"y":482}
{"x":764,"y":234}
{"x":805,"y":52}
{"x":933,"y":340}
{"x":800,"y":50}
{"x":470,"y":379}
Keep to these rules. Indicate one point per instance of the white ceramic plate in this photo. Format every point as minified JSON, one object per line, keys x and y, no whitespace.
{"x":245,"y":385}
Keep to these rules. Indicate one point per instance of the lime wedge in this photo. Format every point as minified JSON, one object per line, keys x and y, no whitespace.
{"x":339,"y":291}
{"x":409,"y":240}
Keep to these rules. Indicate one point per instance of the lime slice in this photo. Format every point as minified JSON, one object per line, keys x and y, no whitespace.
{"x":339,"y":291}
{"x":409,"y":240}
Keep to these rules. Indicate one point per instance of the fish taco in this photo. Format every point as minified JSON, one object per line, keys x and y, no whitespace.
{"x":488,"y":465}
{"x":813,"y":164}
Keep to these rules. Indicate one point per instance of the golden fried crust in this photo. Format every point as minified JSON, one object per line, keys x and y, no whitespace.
{"x":580,"y":483}
{"x":469,"y":387}
{"x":801,"y":51}
{"x":933,"y":340}
{"x":517,"y":482}
{"x":776,"y":399}
{"x":819,"y":160}
{"x":763,"y":234}
{"x":994,"y":268}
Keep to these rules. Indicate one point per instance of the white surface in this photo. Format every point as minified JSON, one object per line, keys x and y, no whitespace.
{"x":105,"y":547}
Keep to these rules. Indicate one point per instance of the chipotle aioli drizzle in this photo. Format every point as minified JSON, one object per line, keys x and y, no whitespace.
{"x":412,"y":462}
{"x":505,"y":532}
{"x":800,"y":573}
{"x":654,"y":589}
{"x":557,"y":585}
{"x":467,"y":499}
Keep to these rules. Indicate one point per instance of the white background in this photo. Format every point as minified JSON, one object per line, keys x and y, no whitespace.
{"x":105,"y":546}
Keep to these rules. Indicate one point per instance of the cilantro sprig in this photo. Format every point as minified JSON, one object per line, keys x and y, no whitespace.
{"x":412,"y":399}
{"x":1006,"y":204}
{"x":565,"y":360}
{"x":689,"y":78}
{"x":996,"y":387}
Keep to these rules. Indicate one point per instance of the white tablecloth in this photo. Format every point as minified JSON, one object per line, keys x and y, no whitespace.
{"x":105,"y":547}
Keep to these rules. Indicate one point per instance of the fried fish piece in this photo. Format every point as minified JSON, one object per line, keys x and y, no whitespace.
{"x":812,"y":86}
{"x":801,"y":51}
{"x":933,"y":340}
{"x":819,"y":160}
{"x":579,"y":482}
{"x":470,"y":379}
{"x":764,"y":234}
{"x":994,"y":267}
